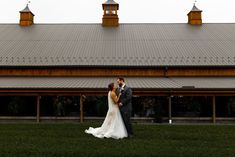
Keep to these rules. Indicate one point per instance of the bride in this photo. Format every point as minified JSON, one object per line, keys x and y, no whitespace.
{"x":113,"y":125}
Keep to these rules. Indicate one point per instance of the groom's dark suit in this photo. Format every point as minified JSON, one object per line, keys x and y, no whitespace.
{"x":126,"y":107}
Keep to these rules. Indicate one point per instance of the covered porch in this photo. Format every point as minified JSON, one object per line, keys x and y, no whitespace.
{"x":177,"y":96}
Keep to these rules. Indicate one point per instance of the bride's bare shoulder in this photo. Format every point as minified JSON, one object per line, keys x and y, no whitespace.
{"x":112,"y":93}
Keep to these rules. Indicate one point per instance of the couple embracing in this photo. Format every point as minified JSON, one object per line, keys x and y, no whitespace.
{"x":117,"y":123}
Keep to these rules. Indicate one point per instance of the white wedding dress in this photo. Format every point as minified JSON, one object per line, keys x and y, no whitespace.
{"x":113,"y":125}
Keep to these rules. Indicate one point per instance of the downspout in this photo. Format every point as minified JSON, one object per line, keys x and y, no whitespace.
{"x":166,"y":72}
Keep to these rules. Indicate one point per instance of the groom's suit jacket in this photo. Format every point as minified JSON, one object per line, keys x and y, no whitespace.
{"x":125,"y":99}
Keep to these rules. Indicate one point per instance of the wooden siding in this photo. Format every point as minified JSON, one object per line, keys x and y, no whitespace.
{"x":114,"y":72}
{"x":103,"y":92}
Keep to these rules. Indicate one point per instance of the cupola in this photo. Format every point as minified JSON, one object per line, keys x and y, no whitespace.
{"x":26,"y":17}
{"x":194,"y":16}
{"x":110,"y":17}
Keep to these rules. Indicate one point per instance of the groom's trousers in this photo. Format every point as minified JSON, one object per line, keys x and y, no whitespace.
{"x":126,"y":116}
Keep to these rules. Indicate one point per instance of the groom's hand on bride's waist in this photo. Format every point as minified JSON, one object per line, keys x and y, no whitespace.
{"x":120,"y":104}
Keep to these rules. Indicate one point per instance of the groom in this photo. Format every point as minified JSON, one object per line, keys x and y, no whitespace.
{"x":125,"y":104}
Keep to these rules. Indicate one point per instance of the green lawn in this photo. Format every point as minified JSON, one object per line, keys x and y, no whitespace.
{"x":69,"y":140}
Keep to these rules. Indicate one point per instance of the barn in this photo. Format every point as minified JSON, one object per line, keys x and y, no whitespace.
{"x":177,"y":71}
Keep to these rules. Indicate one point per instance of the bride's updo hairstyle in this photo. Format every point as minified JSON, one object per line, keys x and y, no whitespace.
{"x":110,"y":86}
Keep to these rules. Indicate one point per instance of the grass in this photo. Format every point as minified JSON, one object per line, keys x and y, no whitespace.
{"x":69,"y":140}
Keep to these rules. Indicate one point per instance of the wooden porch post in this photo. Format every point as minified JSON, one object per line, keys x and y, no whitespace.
{"x":38,"y":108}
{"x":81,"y":109}
{"x":169,"y":106}
{"x":213,"y":110}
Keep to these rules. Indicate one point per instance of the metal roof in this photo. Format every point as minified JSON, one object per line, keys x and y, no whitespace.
{"x":127,"y":45}
{"x":26,"y":9}
{"x":195,"y":8}
{"x":110,"y":2}
{"x":102,"y":82}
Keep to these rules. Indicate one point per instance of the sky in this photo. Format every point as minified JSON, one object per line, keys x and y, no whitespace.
{"x":130,"y":11}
